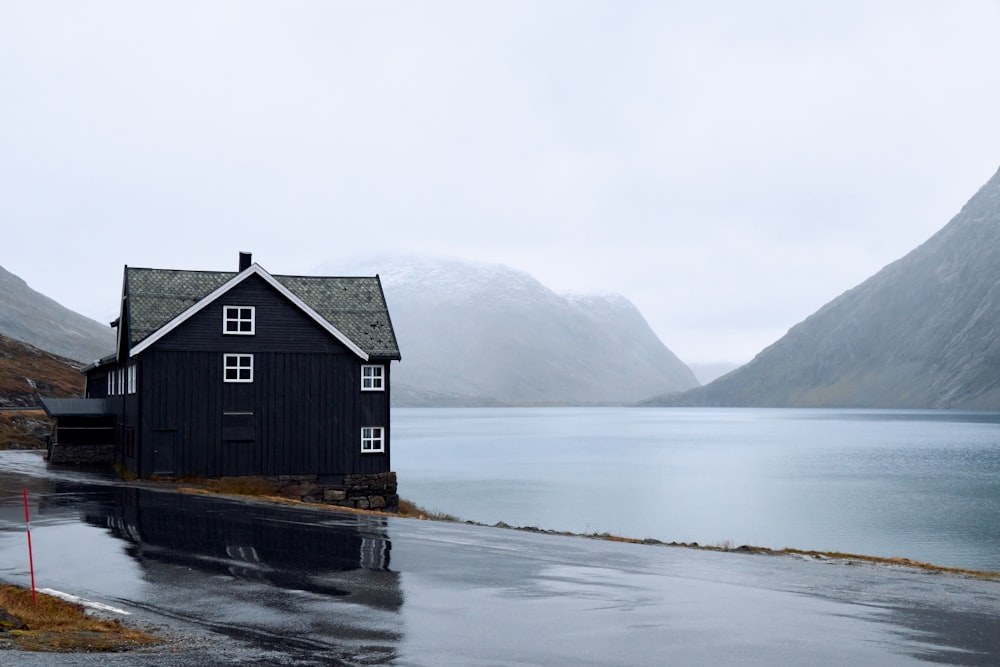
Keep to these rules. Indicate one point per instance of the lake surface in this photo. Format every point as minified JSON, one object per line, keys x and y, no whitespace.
{"x":915,"y":484}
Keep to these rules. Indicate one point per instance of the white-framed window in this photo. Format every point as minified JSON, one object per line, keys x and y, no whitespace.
{"x":372,"y":439}
{"x":116,"y":383}
{"x":237,"y":367}
{"x":131,"y":378}
{"x":373,"y":378}
{"x":238,"y":320}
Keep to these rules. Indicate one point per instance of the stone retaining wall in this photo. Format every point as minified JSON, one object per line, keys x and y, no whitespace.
{"x":375,"y":491}
{"x":81,"y":454}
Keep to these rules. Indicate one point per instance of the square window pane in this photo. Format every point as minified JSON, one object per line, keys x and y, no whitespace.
{"x":372,"y":378}
{"x":238,"y":320}
{"x":238,"y":367}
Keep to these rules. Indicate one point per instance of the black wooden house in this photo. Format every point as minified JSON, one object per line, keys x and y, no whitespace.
{"x":247,"y":373}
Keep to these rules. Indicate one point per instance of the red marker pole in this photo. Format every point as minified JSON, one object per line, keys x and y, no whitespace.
{"x":31,"y":559}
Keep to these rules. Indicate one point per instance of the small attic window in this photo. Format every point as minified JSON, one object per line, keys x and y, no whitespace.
{"x":372,"y":378}
{"x":238,"y":320}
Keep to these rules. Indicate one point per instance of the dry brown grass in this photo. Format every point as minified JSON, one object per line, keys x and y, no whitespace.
{"x":57,"y":625}
{"x":824,"y":555}
{"x":49,"y":375}
{"x":16,"y":427}
{"x":412,"y":511}
{"x":901,"y":562}
{"x":727,"y":547}
{"x":235,"y":486}
{"x":261,"y":489}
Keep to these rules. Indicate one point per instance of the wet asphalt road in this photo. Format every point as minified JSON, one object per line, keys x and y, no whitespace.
{"x":241,"y":583}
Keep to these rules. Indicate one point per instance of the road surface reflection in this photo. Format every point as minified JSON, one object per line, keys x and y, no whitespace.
{"x":249,"y":583}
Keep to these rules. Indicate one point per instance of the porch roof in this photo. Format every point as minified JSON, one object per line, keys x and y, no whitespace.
{"x":77,"y":407}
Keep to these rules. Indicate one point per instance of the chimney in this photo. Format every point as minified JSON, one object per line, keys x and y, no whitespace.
{"x":245,"y":261}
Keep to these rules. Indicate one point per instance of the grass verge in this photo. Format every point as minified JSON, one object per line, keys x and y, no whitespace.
{"x":257,"y":487}
{"x":60,"y":626}
{"x":413,"y":511}
{"x":901,"y":562}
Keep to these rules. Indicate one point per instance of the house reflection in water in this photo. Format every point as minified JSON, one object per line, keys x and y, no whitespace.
{"x":322,"y":552}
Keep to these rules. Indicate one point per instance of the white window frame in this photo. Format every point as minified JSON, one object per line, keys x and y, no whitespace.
{"x":131,"y":378}
{"x":372,"y":439}
{"x":235,"y":314}
{"x":372,"y":377}
{"x":238,"y":367}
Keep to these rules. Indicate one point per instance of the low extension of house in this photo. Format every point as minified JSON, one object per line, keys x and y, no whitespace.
{"x":223,"y":374}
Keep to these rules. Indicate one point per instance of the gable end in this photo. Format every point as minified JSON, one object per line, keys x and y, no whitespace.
{"x":190,"y":297}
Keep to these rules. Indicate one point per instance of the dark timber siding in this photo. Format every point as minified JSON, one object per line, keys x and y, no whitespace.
{"x":125,"y":407}
{"x":97,"y":384}
{"x":127,"y":452}
{"x":302,"y":414}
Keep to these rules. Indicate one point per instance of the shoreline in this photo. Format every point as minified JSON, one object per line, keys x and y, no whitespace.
{"x":424,"y":515}
{"x":164,"y":641}
{"x":199,"y":486}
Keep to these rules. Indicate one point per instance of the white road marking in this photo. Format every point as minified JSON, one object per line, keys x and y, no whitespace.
{"x":80,"y":601}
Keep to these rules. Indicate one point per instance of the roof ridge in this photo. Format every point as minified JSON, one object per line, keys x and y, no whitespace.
{"x":354,"y":306}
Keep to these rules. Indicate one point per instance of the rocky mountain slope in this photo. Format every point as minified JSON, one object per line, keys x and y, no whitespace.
{"x":486,"y":334}
{"x":27,"y":373}
{"x":33,"y":317}
{"x":924,"y":332}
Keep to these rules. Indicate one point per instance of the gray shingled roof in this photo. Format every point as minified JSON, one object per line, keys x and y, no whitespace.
{"x":355,"y":306}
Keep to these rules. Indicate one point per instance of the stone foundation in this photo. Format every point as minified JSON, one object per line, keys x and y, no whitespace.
{"x":81,"y":454}
{"x":374,"y":491}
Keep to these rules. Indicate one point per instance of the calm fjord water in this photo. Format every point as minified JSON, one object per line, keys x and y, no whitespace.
{"x":916,"y":484}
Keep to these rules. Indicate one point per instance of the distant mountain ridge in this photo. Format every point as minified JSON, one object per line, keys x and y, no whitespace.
{"x":924,"y":332}
{"x":472,"y":334}
{"x":486,"y":334}
{"x":32,"y":317}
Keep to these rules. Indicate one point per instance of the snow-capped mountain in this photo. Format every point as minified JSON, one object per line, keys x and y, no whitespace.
{"x":477,"y":333}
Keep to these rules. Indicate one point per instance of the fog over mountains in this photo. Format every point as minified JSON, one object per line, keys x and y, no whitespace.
{"x":924,"y":332}
{"x":482,"y":334}
{"x":470,"y":334}
{"x":30,"y":316}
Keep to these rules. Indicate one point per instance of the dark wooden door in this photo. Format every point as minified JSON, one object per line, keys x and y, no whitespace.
{"x":164,"y":443}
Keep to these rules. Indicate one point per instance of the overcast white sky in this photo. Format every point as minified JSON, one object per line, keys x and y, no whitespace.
{"x":728,"y":166}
